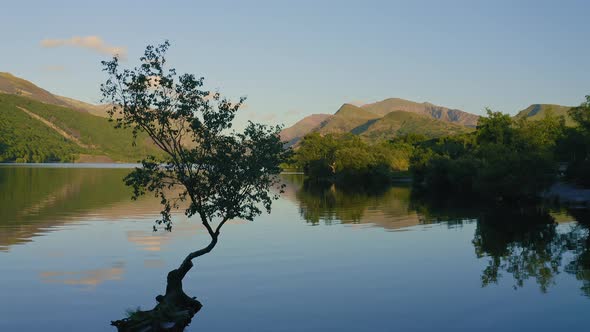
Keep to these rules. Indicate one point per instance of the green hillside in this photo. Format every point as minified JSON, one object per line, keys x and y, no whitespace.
{"x":13,"y":85}
{"x":441,"y":113}
{"x":358,"y":120}
{"x":65,"y":135}
{"x":399,"y":123}
{"x":346,"y":119}
{"x":538,"y":111}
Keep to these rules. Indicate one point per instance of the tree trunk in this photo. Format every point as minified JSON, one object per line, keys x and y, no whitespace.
{"x":175,"y":309}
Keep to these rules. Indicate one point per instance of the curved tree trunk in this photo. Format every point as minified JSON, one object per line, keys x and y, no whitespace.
{"x":175,"y":309}
{"x":174,"y":293}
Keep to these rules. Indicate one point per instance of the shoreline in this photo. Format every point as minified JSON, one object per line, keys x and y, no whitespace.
{"x":565,"y":193}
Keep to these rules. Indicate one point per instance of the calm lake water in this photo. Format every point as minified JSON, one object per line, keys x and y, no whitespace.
{"x":76,"y":252}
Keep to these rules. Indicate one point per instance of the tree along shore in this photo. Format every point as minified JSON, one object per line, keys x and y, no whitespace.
{"x":505,"y":160}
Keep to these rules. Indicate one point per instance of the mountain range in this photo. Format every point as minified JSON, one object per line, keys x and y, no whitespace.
{"x":393,"y":117}
{"x":37,"y":125}
{"x":384,"y":120}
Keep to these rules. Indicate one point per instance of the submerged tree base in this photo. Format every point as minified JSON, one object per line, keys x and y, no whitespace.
{"x":173,"y":312}
{"x":161,"y":318}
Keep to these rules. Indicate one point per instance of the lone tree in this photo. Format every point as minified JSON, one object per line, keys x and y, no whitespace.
{"x":221,"y":174}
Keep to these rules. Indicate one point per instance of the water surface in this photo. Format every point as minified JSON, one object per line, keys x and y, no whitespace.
{"x":76,"y":252}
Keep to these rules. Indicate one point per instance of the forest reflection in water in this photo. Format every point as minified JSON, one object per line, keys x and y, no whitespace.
{"x":534,"y":243}
{"x":517,"y":245}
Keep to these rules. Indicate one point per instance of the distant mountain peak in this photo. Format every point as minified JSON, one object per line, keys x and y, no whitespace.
{"x":538,"y":111}
{"x":14,"y":85}
{"x":425,"y":108}
{"x":296,"y":132}
{"x":424,"y":117}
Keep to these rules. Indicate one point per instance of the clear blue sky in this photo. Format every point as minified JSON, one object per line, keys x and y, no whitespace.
{"x":293,"y":58}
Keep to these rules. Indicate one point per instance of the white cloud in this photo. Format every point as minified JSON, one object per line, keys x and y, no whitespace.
{"x":94,"y":43}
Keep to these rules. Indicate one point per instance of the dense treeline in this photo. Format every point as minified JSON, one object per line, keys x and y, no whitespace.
{"x":504,"y":159}
{"x":574,"y":146}
{"x":348,"y":158}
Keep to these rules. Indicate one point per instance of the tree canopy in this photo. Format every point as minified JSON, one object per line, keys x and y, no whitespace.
{"x":503,"y":160}
{"x":222,"y":174}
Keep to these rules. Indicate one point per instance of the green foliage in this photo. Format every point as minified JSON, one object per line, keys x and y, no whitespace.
{"x":581,"y":114}
{"x":543,"y":133}
{"x":219,"y":174}
{"x":317,"y":154}
{"x":574,"y":145}
{"x":348,"y":158}
{"x":495,"y":128}
{"x":346,"y":119}
{"x":222,"y":174}
{"x":25,"y":139}
{"x":504,"y":160}
{"x":400,"y":123}
{"x":512,"y":174}
{"x":538,"y":112}
{"x":97,"y":133}
{"x":410,"y":138}
{"x":376,"y":127}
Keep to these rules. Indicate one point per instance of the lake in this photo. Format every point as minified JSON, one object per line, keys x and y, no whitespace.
{"x":76,"y":253}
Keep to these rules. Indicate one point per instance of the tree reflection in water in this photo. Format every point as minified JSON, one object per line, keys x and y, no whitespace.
{"x":578,"y":241}
{"x":528,"y":244}
{"x":328,"y":204}
{"x":525,"y":243}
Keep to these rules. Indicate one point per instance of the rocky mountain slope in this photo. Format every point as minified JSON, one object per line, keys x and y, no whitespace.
{"x":385,"y":120}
